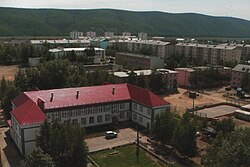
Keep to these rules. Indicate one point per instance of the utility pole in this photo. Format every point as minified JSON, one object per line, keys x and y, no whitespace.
{"x":137,"y":144}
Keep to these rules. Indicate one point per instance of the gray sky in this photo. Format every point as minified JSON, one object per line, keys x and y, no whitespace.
{"x":234,"y":8}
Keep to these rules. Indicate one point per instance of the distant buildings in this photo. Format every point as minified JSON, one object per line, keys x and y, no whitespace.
{"x":169,"y":77}
{"x":60,"y":43}
{"x":209,"y":54}
{"x":126,"y":34}
{"x":76,"y":35}
{"x":135,"y":61}
{"x":63,"y":52}
{"x":108,"y":34}
{"x":155,"y":48}
{"x":238,"y":72}
{"x":91,"y":34}
{"x":142,"y":36}
{"x":85,"y":106}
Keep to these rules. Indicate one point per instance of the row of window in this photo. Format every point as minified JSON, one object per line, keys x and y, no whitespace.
{"x":135,"y":107}
{"x":86,"y":111}
{"x":91,"y":120}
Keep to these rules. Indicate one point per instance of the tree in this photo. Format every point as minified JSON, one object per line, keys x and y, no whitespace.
{"x":10,"y":94}
{"x":245,"y":81}
{"x":229,"y":150}
{"x":225,"y":126}
{"x":69,"y":152}
{"x":37,"y":159}
{"x":156,"y":81}
{"x":3,"y":87}
{"x":164,"y":127}
{"x":184,"y":137}
{"x":132,"y":78}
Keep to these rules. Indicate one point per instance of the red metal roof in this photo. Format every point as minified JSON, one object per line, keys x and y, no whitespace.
{"x":27,"y":108}
{"x":28,"y":113}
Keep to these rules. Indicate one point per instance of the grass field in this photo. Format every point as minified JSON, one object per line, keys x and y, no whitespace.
{"x":125,"y":157}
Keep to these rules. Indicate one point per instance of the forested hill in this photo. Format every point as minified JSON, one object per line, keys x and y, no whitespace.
{"x":54,"y":22}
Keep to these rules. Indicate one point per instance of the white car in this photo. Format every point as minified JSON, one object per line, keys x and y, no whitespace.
{"x":110,"y":134}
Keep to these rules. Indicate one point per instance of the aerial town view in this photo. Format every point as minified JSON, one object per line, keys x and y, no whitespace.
{"x":124,"y":83}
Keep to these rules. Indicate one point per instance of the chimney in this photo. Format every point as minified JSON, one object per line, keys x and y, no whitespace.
{"x":40,"y":103}
{"x":113,"y":92}
{"x":52,"y":96}
{"x":77,"y":94}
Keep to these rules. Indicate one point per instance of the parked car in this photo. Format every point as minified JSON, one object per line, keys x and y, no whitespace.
{"x":110,"y":135}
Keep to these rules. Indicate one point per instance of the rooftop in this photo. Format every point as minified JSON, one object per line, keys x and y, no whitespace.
{"x":72,"y":49}
{"x":27,"y":110}
{"x":207,"y":46}
{"x":242,"y":68}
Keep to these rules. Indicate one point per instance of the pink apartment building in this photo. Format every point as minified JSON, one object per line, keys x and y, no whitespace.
{"x":238,"y":73}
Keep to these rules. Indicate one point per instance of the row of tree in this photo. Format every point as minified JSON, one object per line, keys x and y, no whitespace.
{"x":60,"y":145}
{"x":11,"y":54}
{"x":177,"y":131}
{"x":207,"y":78}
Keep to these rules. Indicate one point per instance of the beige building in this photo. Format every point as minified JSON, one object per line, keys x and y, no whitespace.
{"x":126,"y":34}
{"x":157,"y":48}
{"x":209,"y":54}
{"x":238,"y":73}
{"x":76,"y":34}
{"x":142,"y":36}
{"x":91,"y":34}
{"x":108,"y":34}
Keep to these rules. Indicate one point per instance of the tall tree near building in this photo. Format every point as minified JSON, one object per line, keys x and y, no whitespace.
{"x":69,"y":152}
{"x":245,"y":82}
{"x":37,"y":159}
{"x":230,"y":150}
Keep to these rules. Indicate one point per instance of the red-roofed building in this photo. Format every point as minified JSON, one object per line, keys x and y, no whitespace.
{"x":86,"y":106}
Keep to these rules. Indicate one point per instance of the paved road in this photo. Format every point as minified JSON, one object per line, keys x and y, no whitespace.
{"x":9,"y":154}
{"x":125,"y":136}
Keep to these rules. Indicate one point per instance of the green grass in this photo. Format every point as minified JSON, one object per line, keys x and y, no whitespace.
{"x":125,"y":158}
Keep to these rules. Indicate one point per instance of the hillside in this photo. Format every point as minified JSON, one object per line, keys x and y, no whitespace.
{"x":55,"y":22}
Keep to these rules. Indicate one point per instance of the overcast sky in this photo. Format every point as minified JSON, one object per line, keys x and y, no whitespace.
{"x":234,"y":8}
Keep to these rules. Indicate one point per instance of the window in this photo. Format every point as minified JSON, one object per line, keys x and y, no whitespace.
{"x":122,"y":106}
{"x":140,"y":119}
{"x":141,"y":108}
{"x":122,"y":115}
{"x":83,"y":121}
{"x":135,"y":117}
{"x":74,"y":121}
{"x":99,"y":118}
{"x":107,"y":117}
{"x":91,"y":120}
{"x":149,"y":111}
{"x":135,"y":106}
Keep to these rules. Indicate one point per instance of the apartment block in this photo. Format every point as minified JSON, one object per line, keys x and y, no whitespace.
{"x":76,"y":34}
{"x":142,"y":36}
{"x":208,"y":54}
{"x":238,"y":73}
{"x":135,"y":61}
{"x":91,"y":34}
{"x":108,"y":34}
{"x":126,"y":34}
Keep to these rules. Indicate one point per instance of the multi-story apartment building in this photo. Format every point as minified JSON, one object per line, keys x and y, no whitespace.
{"x":76,"y":34}
{"x":238,"y":72}
{"x":126,"y":34}
{"x":62,"y":52}
{"x":157,"y":48}
{"x":60,"y":43}
{"x":135,"y":61}
{"x":245,"y":50}
{"x":169,"y":77}
{"x":208,"y":54}
{"x":91,"y":34}
{"x":108,"y":34}
{"x":85,"y":106}
{"x":142,"y":36}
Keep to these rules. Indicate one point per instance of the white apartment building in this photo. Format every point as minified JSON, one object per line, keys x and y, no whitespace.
{"x":142,"y":36}
{"x":85,"y":106}
{"x":76,"y":34}
{"x":61,"y":52}
{"x":108,"y":34}
{"x":91,"y":34}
